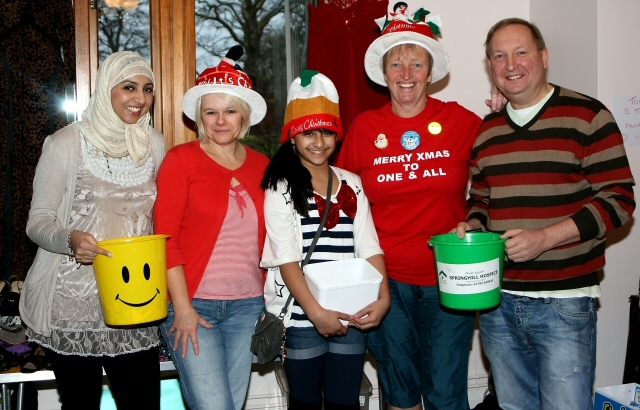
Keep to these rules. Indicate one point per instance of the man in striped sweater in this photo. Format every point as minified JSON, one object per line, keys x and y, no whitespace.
{"x":550,"y":172}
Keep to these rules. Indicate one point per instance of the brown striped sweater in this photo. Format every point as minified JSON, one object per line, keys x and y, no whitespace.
{"x":569,"y":161}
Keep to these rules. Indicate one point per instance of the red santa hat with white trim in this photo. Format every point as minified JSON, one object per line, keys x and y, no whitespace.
{"x":398,"y":28}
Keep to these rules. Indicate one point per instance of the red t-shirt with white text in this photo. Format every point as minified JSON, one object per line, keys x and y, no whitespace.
{"x":417,"y":183}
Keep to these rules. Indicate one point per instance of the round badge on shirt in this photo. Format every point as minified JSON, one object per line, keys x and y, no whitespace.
{"x":434,"y":128}
{"x":410,"y":140}
{"x":381,"y":141}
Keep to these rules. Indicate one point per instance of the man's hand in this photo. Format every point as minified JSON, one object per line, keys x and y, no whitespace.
{"x":497,"y":101}
{"x":523,"y":245}
{"x":526,"y":244}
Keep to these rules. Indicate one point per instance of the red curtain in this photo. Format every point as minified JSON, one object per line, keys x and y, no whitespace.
{"x":339,"y":34}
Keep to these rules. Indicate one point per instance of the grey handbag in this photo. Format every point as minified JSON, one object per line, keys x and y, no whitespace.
{"x":268,"y":339}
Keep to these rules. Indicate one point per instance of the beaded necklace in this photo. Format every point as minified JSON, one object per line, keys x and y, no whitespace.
{"x":121,"y":171}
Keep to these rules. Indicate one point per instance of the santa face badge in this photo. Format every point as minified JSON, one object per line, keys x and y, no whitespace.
{"x":410,"y":140}
{"x":381,"y":141}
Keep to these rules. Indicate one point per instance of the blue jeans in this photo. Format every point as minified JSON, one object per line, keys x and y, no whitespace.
{"x":542,"y":352}
{"x":315,"y":364}
{"x":218,"y":377}
{"x":422,"y":350}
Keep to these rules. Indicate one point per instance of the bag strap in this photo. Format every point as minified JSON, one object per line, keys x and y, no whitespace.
{"x":285,"y":308}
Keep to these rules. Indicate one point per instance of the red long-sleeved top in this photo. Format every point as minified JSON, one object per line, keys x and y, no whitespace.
{"x":193,"y":195}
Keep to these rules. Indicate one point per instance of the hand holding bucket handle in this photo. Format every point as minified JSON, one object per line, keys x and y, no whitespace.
{"x":472,"y":225}
{"x":83,"y":247}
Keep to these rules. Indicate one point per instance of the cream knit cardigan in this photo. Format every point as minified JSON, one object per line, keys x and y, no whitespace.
{"x":48,"y":225}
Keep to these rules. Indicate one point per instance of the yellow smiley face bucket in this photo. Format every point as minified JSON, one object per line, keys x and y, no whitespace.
{"x":133,"y":283}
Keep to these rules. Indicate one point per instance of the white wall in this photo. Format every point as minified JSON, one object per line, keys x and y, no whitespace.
{"x":618,"y":68}
{"x":569,"y":29}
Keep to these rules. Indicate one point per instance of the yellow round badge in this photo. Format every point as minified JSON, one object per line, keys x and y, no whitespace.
{"x":434,"y":128}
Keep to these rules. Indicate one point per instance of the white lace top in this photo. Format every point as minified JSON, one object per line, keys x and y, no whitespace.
{"x":107,"y":210}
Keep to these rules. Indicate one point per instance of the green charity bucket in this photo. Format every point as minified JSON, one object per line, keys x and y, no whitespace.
{"x":469,"y":270}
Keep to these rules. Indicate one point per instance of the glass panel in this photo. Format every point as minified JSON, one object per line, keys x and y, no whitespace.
{"x":124,"y":25}
{"x":298,"y":17}
{"x":258,"y":26}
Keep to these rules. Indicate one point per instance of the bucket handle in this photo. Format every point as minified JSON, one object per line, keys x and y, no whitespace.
{"x":469,"y":231}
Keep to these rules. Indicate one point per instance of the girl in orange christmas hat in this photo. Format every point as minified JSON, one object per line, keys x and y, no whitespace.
{"x":324,"y":348}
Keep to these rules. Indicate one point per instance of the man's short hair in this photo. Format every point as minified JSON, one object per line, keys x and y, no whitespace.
{"x":535,"y":33}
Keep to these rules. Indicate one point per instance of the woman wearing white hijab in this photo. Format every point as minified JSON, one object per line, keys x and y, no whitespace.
{"x":95,"y":180}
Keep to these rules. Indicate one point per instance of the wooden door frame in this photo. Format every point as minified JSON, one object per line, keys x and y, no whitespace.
{"x":86,"y":23}
{"x":173,"y":50}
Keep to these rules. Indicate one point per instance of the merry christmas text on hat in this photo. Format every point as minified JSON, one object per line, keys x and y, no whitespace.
{"x":312,"y":103}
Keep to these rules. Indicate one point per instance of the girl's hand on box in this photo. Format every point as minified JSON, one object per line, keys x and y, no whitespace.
{"x":327,"y":322}
{"x":372,"y":315}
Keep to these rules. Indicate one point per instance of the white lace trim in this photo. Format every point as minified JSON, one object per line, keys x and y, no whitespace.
{"x":122,"y":171}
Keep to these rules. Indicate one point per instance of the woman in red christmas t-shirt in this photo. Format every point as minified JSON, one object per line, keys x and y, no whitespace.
{"x":413,"y":157}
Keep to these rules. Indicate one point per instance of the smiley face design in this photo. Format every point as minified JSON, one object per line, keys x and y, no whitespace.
{"x":126,"y":278}
{"x":132,"y":284}
{"x":434,"y":128}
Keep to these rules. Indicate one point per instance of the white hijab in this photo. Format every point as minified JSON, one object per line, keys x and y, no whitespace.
{"x":101,"y":125}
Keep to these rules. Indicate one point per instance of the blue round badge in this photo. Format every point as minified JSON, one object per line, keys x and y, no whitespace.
{"x":410,"y":140}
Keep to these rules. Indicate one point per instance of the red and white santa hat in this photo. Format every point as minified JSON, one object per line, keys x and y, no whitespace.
{"x":226,"y":78}
{"x":398,"y":28}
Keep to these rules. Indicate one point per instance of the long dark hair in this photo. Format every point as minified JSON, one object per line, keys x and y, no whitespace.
{"x":286,"y":166}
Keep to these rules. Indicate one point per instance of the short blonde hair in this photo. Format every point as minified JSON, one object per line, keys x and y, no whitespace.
{"x":234,"y":102}
{"x":404,"y":47}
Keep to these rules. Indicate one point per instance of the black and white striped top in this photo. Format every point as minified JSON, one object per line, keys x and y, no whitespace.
{"x":334,"y":244}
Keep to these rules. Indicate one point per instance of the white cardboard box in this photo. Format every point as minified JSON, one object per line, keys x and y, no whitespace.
{"x":344,"y":286}
{"x":622,"y":397}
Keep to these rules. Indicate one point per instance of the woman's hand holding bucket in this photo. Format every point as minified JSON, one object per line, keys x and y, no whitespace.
{"x":83,"y":246}
{"x":472,"y":225}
